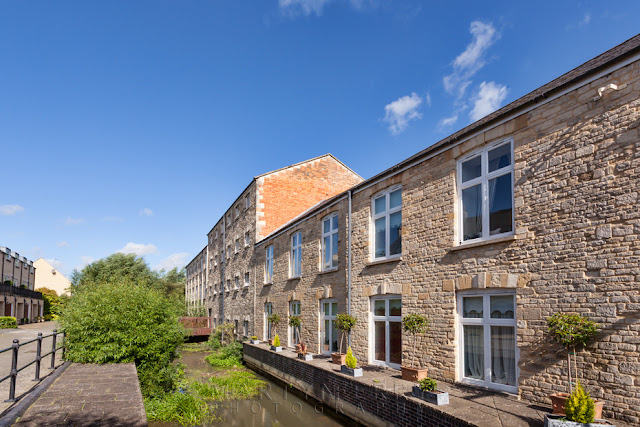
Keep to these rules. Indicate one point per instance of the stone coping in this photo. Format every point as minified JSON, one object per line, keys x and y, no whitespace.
{"x":474,"y":406}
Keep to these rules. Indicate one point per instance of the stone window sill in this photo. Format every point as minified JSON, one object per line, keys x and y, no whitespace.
{"x":268,"y":283}
{"x":294,"y":278}
{"x":329,"y":270}
{"x":483,"y":243}
{"x":384,"y":261}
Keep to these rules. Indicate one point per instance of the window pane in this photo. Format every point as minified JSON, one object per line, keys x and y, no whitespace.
{"x":473,"y":351}
{"x":395,"y":342}
{"x":327,"y":250}
{"x":380,"y":341}
{"x":335,"y":250}
{"x":326,"y":225}
{"x":327,"y":309}
{"x":471,"y":169}
{"x":500,"y":205}
{"x":395,"y":228}
{"x":379,"y":307}
{"x":381,"y":228}
{"x":503,"y":355}
{"x":501,"y":307}
{"x":472,"y":307}
{"x":472,"y":212}
{"x":380,"y":204}
{"x":327,"y":336}
{"x":395,"y":198}
{"x":334,"y":308}
{"x":334,"y":337}
{"x":395,"y":307}
{"x":500,"y":157}
{"x":334,"y":222}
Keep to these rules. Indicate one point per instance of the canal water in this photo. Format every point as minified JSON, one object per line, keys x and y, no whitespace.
{"x":275,"y":406}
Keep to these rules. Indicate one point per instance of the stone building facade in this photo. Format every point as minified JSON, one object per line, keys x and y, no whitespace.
{"x":17,"y":296}
{"x":531,"y":211}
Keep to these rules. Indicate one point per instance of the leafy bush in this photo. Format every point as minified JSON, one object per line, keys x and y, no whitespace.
{"x":274,"y":319}
{"x":579,"y":406}
{"x":184,"y":408}
{"x":351,"y":361}
{"x":234,"y":385}
{"x":8,"y":322}
{"x":276,"y":341}
{"x":48,"y":317}
{"x":345,"y":322}
{"x":415,"y":324}
{"x":227,"y":356}
{"x":254,"y":338}
{"x":428,"y":384}
{"x":119,"y":322}
{"x":222,"y":335}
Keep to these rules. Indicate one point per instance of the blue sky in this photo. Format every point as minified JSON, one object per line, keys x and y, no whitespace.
{"x":132,"y":126}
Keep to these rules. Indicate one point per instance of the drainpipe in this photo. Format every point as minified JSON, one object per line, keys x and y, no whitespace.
{"x":224,"y":265}
{"x":349,"y":260}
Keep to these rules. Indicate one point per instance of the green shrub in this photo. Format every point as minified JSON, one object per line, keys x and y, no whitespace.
{"x":350,"y":360}
{"x":276,"y":341}
{"x":119,"y":322}
{"x":274,"y":319}
{"x":428,"y":384}
{"x":234,"y":385}
{"x":226,"y":357}
{"x":47,"y":317}
{"x":8,"y":322}
{"x":415,"y":324}
{"x":579,"y":406}
{"x":254,"y":338}
{"x":222,"y":335}
{"x":186,"y":409}
{"x":344,"y":322}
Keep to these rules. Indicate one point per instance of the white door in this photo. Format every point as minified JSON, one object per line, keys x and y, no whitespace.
{"x":294,"y":333}
{"x":328,"y":333}
{"x":386,"y":331}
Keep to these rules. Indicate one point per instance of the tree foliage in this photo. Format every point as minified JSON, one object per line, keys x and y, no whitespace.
{"x":571,"y":330}
{"x":52,"y":302}
{"x":345,"y":322}
{"x":579,"y":406}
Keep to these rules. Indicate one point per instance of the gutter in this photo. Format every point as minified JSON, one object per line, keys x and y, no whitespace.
{"x":349,"y":261}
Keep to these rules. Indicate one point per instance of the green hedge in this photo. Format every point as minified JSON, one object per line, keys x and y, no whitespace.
{"x":8,"y":322}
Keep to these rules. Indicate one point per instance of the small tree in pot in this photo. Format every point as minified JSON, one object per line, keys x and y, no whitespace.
{"x":273,"y":319}
{"x":414,"y":324}
{"x":344,"y":322}
{"x":294,"y":322}
{"x":571,"y":331}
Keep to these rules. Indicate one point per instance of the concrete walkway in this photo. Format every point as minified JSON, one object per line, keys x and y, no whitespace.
{"x":90,"y":395}
{"x":26,"y":354}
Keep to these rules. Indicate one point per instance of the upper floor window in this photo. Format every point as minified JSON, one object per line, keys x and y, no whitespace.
{"x":237,"y":282}
{"x":237,"y":245}
{"x":330,"y":242}
{"x":296,"y":254}
{"x":268,"y":266}
{"x":237,"y":211}
{"x":247,"y":239}
{"x":387,"y":223}
{"x":246,"y":278}
{"x":229,"y":218}
{"x":247,"y":201}
{"x":485,"y":192}
{"x":228,"y":251}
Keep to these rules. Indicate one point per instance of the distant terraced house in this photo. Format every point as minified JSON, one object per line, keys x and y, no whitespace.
{"x":530,"y":211}
{"x":17,"y":296}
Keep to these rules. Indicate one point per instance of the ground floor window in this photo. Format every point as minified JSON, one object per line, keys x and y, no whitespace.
{"x":268,"y":309}
{"x":488,"y":352}
{"x":328,"y":333}
{"x":294,"y":332}
{"x":246,"y":328}
{"x":386,"y":330}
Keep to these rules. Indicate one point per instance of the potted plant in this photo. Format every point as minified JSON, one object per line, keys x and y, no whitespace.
{"x":276,"y":344}
{"x":274,"y":319}
{"x":302,"y":353}
{"x":414,"y":324}
{"x":427,"y":389}
{"x":254,"y":340}
{"x":351,"y":365}
{"x":344,"y":322}
{"x":294,"y":322}
{"x":571,"y":331}
{"x":579,"y":411}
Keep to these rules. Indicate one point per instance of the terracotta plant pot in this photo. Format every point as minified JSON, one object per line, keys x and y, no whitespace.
{"x":558,"y":400}
{"x":298,"y":348}
{"x":270,"y":341}
{"x":339,"y":358}
{"x":413,"y":374}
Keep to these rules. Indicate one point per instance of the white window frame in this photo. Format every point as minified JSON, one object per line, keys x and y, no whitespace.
{"x":387,"y":318}
{"x":268,"y":309}
{"x":484,"y":179}
{"x":331,"y":234}
{"x":292,"y":312}
{"x":332,"y":318}
{"x":247,"y":202}
{"x":237,"y":211}
{"x":486,"y":321}
{"x":295,"y":260}
{"x":237,"y":246}
{"x":268,"y":266}
{"x":386,"y":213}
{"x":247,"y":239}
{"x":247,"y":279}
{"x":236,"y":282}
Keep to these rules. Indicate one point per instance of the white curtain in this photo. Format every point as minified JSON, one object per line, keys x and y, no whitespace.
{"x":473,"y":351}
{"x":503,"y":360}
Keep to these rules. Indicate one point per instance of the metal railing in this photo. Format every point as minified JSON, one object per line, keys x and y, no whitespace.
{"x":13,"y":375}
{"x":20,"y":292}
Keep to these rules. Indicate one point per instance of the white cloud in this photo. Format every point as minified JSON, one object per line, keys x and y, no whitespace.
{"x":427,"y":99}
{"x":177,"y":260}
{"x":586,"y":19}
{"x":448,"y":121}
{"x":73,"y":221}
{"x":146,"y":212}
{"x":112,"y":219}
{"x":471,"y":59}
{"x":488,"y":99}
{"x":401,"y":111}
{"x":10,"y":209}
{"x":63,"y":244}
{"x":139,"y":249}
{"x":84,"y":261}
{"x":306,"y":7}
{"x":55,"y":263}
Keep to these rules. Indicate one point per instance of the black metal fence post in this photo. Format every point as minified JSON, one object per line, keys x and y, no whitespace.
{"x":53,"y":349}
{"x":38,"y":356}
{"x":14,"y":371}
